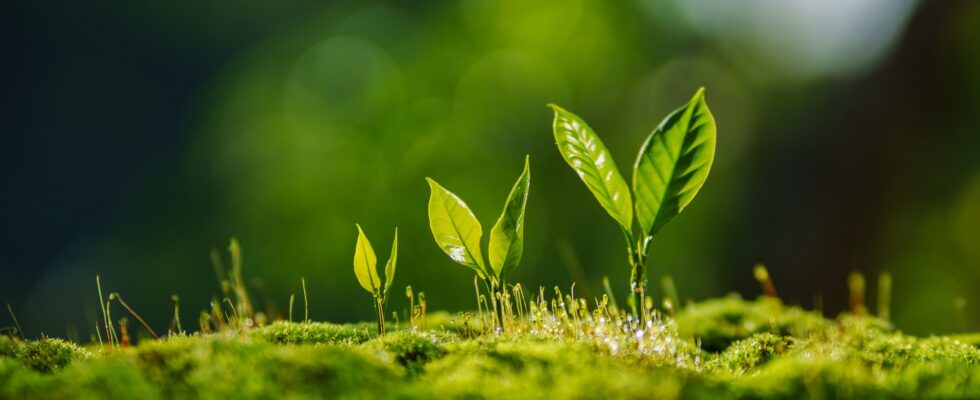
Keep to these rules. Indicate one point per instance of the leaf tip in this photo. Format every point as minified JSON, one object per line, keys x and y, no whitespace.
{"x":698,"y":95}
{"x":556,"y":108}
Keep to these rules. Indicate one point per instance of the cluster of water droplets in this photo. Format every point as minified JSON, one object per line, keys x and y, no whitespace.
{"x":653,"y":337}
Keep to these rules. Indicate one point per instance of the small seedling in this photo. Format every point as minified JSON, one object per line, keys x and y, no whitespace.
{"x":458,"y":233}
{"x":670,"y":168}
{"x":366,"y":270}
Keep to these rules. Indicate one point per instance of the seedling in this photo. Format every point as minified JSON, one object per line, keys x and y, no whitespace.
{"x":670,"y":168}
{"x":458,"y":233}
{"x":366,"y":270}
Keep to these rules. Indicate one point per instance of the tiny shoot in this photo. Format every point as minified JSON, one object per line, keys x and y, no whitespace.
{"x":366,"y":271}
{"x":458,"y":233}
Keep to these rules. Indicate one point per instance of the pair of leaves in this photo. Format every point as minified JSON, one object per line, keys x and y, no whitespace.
{"x":670,"y":168}
{"x":458,"y":233}
{"x":366,"y":269}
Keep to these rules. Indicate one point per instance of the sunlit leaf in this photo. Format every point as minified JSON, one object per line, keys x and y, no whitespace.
{"x":507,"y":235}
{"x":392,"y":260}
{"x":673,"y":164}
{"x":365,"y":264}
{"x":455,"y":228}
{"x":585,"y":153}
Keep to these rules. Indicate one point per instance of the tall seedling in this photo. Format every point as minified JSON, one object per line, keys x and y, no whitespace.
{"x":670,"y":168}
{"x":458,"y":233}
{"x":365,"y":268}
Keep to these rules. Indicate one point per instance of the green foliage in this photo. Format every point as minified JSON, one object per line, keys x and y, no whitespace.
{"x":507,"y":235}
{"x":673,"y":164}
{"x":455,"y":228}
{"x":670,"y":168}
{"x":366,"y":270}
{"x":587,"y":155}
{"x":457,"y":231}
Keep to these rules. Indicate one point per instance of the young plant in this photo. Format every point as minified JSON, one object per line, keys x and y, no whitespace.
{"x":458,"y":233}
{"x":366,"y":270}
{"x":670,"y":168}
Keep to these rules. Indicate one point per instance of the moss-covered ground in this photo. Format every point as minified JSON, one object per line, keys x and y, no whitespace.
{"x":716,"y":349}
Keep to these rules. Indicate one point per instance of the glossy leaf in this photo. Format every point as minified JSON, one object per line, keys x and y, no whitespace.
{"x":584,"y":152}
{"x":455,"y":228}
{"x":507,"y":235}
{"x":392,"y":260}
{"x":673,"y":164}
{"x":365,"y":264}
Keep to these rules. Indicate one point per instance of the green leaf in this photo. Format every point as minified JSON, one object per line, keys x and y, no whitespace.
{"x":365,"y":264}
{"x":390,"y":266}
{"x":507,"y":235}
{"x":455,"y":228}
{"x":673,"y":164}
{"x":585,"y":153}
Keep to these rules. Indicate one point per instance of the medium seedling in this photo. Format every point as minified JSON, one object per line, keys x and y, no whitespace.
{"x":458,"y":233}
{"x":670,"y":168}
{"x":366,"y":270}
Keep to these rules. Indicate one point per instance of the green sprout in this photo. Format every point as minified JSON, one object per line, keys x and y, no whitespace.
{"x":458,"y":233}
{"x":670,"y":168}
{"x":366,"y":270}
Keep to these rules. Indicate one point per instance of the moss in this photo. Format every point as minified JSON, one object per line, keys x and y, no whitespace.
{"x":315,"y":332}
{"x":45,"y":354}
{"x":506,"y":368}
{"x":746,"y":354}
{"x":10,"y":347}
{"x":794,"y":355}
{"x":720,"y":322}
{"x":410,"y":349}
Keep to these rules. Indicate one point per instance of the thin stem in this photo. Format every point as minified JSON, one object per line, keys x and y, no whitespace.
{"x":499,"y":304}
{"x":306,"y":302}
{"x":20,"y":331}
{"x":135,"y":315}
{"x":379,"y":308}
{"x":99,"y":334}
{"x":479,"y":307}
{"x":105,"y":319}
{"x":638,"y":278}
{"x":176,"y":300}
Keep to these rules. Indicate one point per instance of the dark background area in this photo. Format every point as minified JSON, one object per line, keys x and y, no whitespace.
{"x":137,"y":137}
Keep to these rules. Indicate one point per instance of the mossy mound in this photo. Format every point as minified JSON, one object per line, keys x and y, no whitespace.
{"x":720,"y":322}
{"x":315,"y":333}
{"x":759,"y":350}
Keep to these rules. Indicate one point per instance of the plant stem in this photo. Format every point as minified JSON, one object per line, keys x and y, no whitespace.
{"x":497,"y":295}
{"x":638,"y":276}
{"x":379,"y":308}
{"x":137,"y":316}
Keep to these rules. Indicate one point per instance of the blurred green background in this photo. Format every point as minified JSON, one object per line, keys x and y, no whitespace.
{"x":137,"y":136}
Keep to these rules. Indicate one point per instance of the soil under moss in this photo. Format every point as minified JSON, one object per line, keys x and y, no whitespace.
{"x":716,"y":349}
